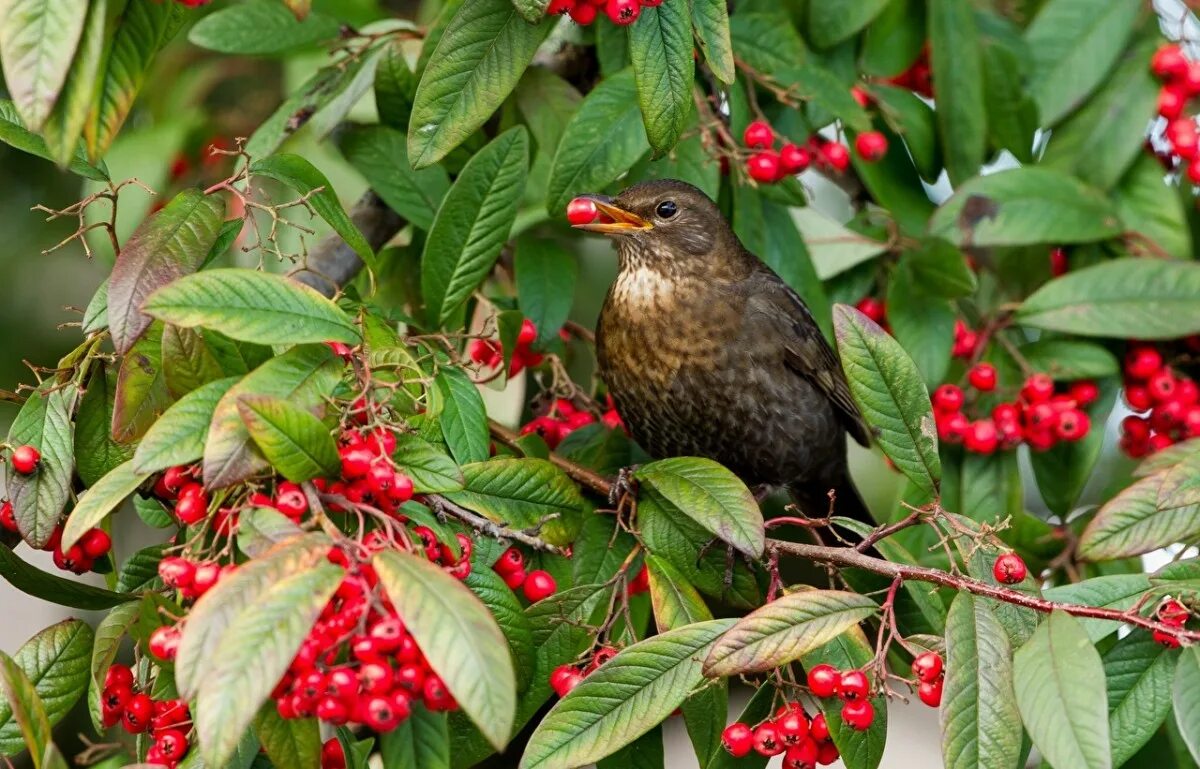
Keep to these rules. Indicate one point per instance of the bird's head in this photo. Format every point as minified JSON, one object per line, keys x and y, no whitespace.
{"x":665,"y":225}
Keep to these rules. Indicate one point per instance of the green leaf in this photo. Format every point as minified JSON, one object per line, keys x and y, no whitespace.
{"x":660,"y":47}
{"x":1011,"y":112}
{"x":912,"y":119}
{"x":1103,"y":139}
{"x":422,"y":741}
{"x":109,"y":632}
{"x":834,"y":248}
{"x":187,"y":361}
{"x":303,"y":177}
{"x":1187,"y":699}
{"x":141,"y":394}
{"x":245,"y":756}
{"x":710,"y":20}
{"x":38,"y":39}
{"x":96,"y":503}
{"x":624,"y":699}
{"x":51,"y":587}
{"x":261,"y":528}
{"x":473,"y":223}
{"x":261,"y":27}
{"x":140,"y":572}
{"x":646,"y":752}
{"x":712,"y":496}
{"x":304,"y":375}
{"x":459,"y":637}
{"x":1061,"y":695}
{"x":326,"y":85}
{"x":26,"y":716}
{"x":831,"y":22}
{"x":954,"y":54}
{"x":477,"y":62}
{"x":95,"y":450}
{"x":14,"y":133}
{"x":1063,"y":471}
{"x":1115,"y":591}
{"x":241,"y":594}
{"x":923,"y":325}
{"x":522,"y":494}
{"x":941,"y":269}
{"x":395,"y":87}
{"x":888,"y":388}
{"x":1066,"y":359}
{"x":786,"y":629}
{"x":294,"y":743}
{"x":1025,"y":206}
{"x":38,"y":499}
{"x":1154,"y":210}
{"x":1139,"y":673}
{"x":65,"y":123}
{"x":1132,"y":523}
{"x":178,"y":436}
{"x":251,"y":306}
{"x":546,"y":274}
{"x":690,"y":162}
{"x":253,"y":653}
{"x":981,"y":727}
{"x":431,"y":470}
{"x":463,"y":418}
{"x":380,"y":155}
{"x":143,"y":28}
{"x":676,"y":603}
{"x":95,"y":315}
{"x":510,"y":615}
{"x":295,"y":442}
{"x":55,"y":664}
{"x":1074,"y":44}
{"x":604,"y":139}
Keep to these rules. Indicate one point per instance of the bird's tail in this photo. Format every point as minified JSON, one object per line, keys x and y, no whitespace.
{"x":841,"y":497}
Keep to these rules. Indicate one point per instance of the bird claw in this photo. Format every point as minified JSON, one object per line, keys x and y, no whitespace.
{"x":624,"y":485}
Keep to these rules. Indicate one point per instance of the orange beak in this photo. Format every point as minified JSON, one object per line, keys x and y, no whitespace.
{"x":613,"y":220}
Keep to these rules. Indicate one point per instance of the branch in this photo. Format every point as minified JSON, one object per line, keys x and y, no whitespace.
{"x":332,"y":263}
{"x":847,"y":557}
{"x":495,"y":530}
{"x":593,"y":480}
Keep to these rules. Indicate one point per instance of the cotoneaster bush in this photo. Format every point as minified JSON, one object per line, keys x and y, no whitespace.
{"x":356,"y":562}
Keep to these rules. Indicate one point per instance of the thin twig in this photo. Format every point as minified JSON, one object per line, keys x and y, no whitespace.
{"x":495,"y":530}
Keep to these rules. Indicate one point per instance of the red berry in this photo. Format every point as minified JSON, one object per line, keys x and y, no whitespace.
{"x":858,"y":714}
{"x":827,"y":753}
{"x":948,"y":398}
{"x":559,"y":7}
{"x":823,"y":680}
{"x":204,"y":577}
{"x":564,"y":679}
{"x":952,"y":427}
{"x":436,"y":696}
{"x":860,"y":96}
{"x":927,"y":666}
{"x":793,"y":727}
{"x":1072,"y":425}
{"x":982,"y":377}
{"x":164,"y":642}
{"x":1166,"y":639}
{"x":802,"y":755}
{"x":871,"y":146}
{"x":836,"y":155}
{"x":622,"y":11}
{"x":291,"y":500}
{"x":171,"y":743}
{"x":25,"y":459}
{"x":1084,"y":392}
{"x":930,"y":692}
{"x":1172,"y":612}
{"x":1009,"y":569}
{"x":853,"y":685}
{"x":510,"y":560}
{"x":583,"y":13}
{"x":118,"y":675}
{"x":333,"y":756}
{"x":356,"y":461}
{"x":1162,"y":385}
{"x":528,"y":333}
{"x":982,"y":437}
{"x":538,"y":585}
{"x":514,"y":579}
{"x":1193,"y":171}
{"x":763,"y":167}
{"x":95,"y":543}
{"x":192,"y":505}
{"x":1143,"y":362}
{"x":1059,"y":264}
{"x":387,"y":634}
{"x":873,"y":308}
{"x":641,"y":582}
{"x":138,"y":712}
{"x":767,"y":740}
{"x":758,"y":135}
{"x":738,"y":739}
{"x":1138,"y":397}
{"x":379,"y":715}
{"x":1171,"y":101}
{"x":794,"y":158}
{"x":8,"y":520}
{"x":1169,"y":62}
{"x":1037,"y":388}
{"x":819,"y":728}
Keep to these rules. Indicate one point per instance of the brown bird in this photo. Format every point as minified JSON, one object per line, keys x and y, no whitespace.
{"x":707,"y":352}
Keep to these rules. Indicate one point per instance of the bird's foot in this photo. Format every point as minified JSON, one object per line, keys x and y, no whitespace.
{"x":624,"y":485}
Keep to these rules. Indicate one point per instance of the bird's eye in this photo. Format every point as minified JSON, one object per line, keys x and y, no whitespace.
{"x":666,"y":209}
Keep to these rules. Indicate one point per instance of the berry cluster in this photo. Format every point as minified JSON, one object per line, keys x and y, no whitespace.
{"x":535,"y":584}
{"x":804,"y":743}
{"x":168,"y":721}
{"x":564,"y":678}
{"x":928,"y":668}
{"x":564,"y":418}
{"x":191,"y":578}
{"x":1039,"y":416}
{"x":1173,"y":613}
{"x":490,"y":353}
{"x":1181,"y":83}
{"x":79,"y":558}
{"x":851,"y":686}
{"x":359,"y":664}
{"x":584,"y":12}
{"x":1167,"y":403}
{"x":767,"y":166}
{"x":369,"y":475}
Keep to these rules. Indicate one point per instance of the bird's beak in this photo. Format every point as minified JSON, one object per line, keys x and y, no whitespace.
{"x":614,"y":220}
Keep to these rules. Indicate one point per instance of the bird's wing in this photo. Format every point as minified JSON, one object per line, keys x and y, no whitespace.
{"x":805,"y":350}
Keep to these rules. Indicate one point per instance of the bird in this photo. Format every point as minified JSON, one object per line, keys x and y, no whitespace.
{"x":707,"y":352}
